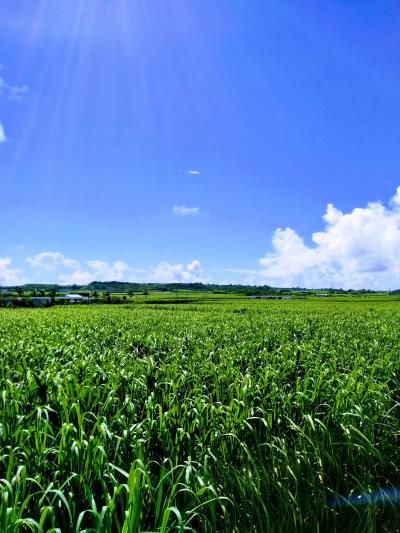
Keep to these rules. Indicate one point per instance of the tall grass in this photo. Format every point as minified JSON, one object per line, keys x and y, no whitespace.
{"x":269,"y":417}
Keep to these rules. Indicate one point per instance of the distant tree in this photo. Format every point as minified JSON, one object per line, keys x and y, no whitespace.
{"x":124,"y":298}
{"x":107,"y":296}
{"x":20,"y":291}
{"x":130,"y":293}
{"x":53,"y":293}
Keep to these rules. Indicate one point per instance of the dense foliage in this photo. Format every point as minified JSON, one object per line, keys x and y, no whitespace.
{"x":125,"y":287}
{"x":230,"y":416}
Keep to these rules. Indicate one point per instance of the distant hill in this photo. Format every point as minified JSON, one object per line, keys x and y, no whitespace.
{"x":43,"y":286}
{"x":124,"y":287}
{"x":121,"y":286}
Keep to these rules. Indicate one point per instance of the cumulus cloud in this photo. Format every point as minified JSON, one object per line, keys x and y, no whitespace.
{"x":104,"y":270}
{"x":120,"y":271}
{"x":355,"y":250}
{"x":50,"y":261}
{"x":167,"y":273}
{"x":98,"y":271}
{"x":9,"y":275}
{"x":77,"y":277}
{"x":185,"y":211}
{"x":3,"y":136}
{"x":70,"y":271}
{"x":55,"y":266}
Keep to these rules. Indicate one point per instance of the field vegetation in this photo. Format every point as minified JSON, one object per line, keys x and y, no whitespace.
{"x":222,"y":414}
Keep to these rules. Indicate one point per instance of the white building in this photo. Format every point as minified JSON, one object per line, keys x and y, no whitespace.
{"x":75,"y":298}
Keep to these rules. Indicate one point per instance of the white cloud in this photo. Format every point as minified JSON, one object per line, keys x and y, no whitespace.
{"x":3,"y":137}
{"x":185,"y":211}
{"x":99,"y":271}
{"x":193,"y":172}
{"x":14,"y":92}
{"x":55,"y":267}
{"x":77,"y":277}
{"x":9,"y":275}
{"x":49,"y":261}
{"x":355,"y":250}
{"x":113,"y":272}
{"x":167,"y":273}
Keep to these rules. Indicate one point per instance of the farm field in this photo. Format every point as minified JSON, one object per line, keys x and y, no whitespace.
{"x":221,"y":414}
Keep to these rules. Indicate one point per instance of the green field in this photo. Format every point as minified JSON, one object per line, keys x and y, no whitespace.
{"x":221,"y":414}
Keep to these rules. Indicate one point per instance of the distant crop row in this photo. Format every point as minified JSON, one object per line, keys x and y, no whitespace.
{"x":271,"y":416}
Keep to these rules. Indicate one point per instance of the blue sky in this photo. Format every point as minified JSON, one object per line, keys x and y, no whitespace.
{"x":186,"y":140}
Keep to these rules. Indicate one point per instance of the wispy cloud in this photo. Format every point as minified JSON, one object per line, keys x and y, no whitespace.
{"x":14,"y":92}
{"x":3,"y":136}
{"x":185,"y":211}
{"x":193,"y":172}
